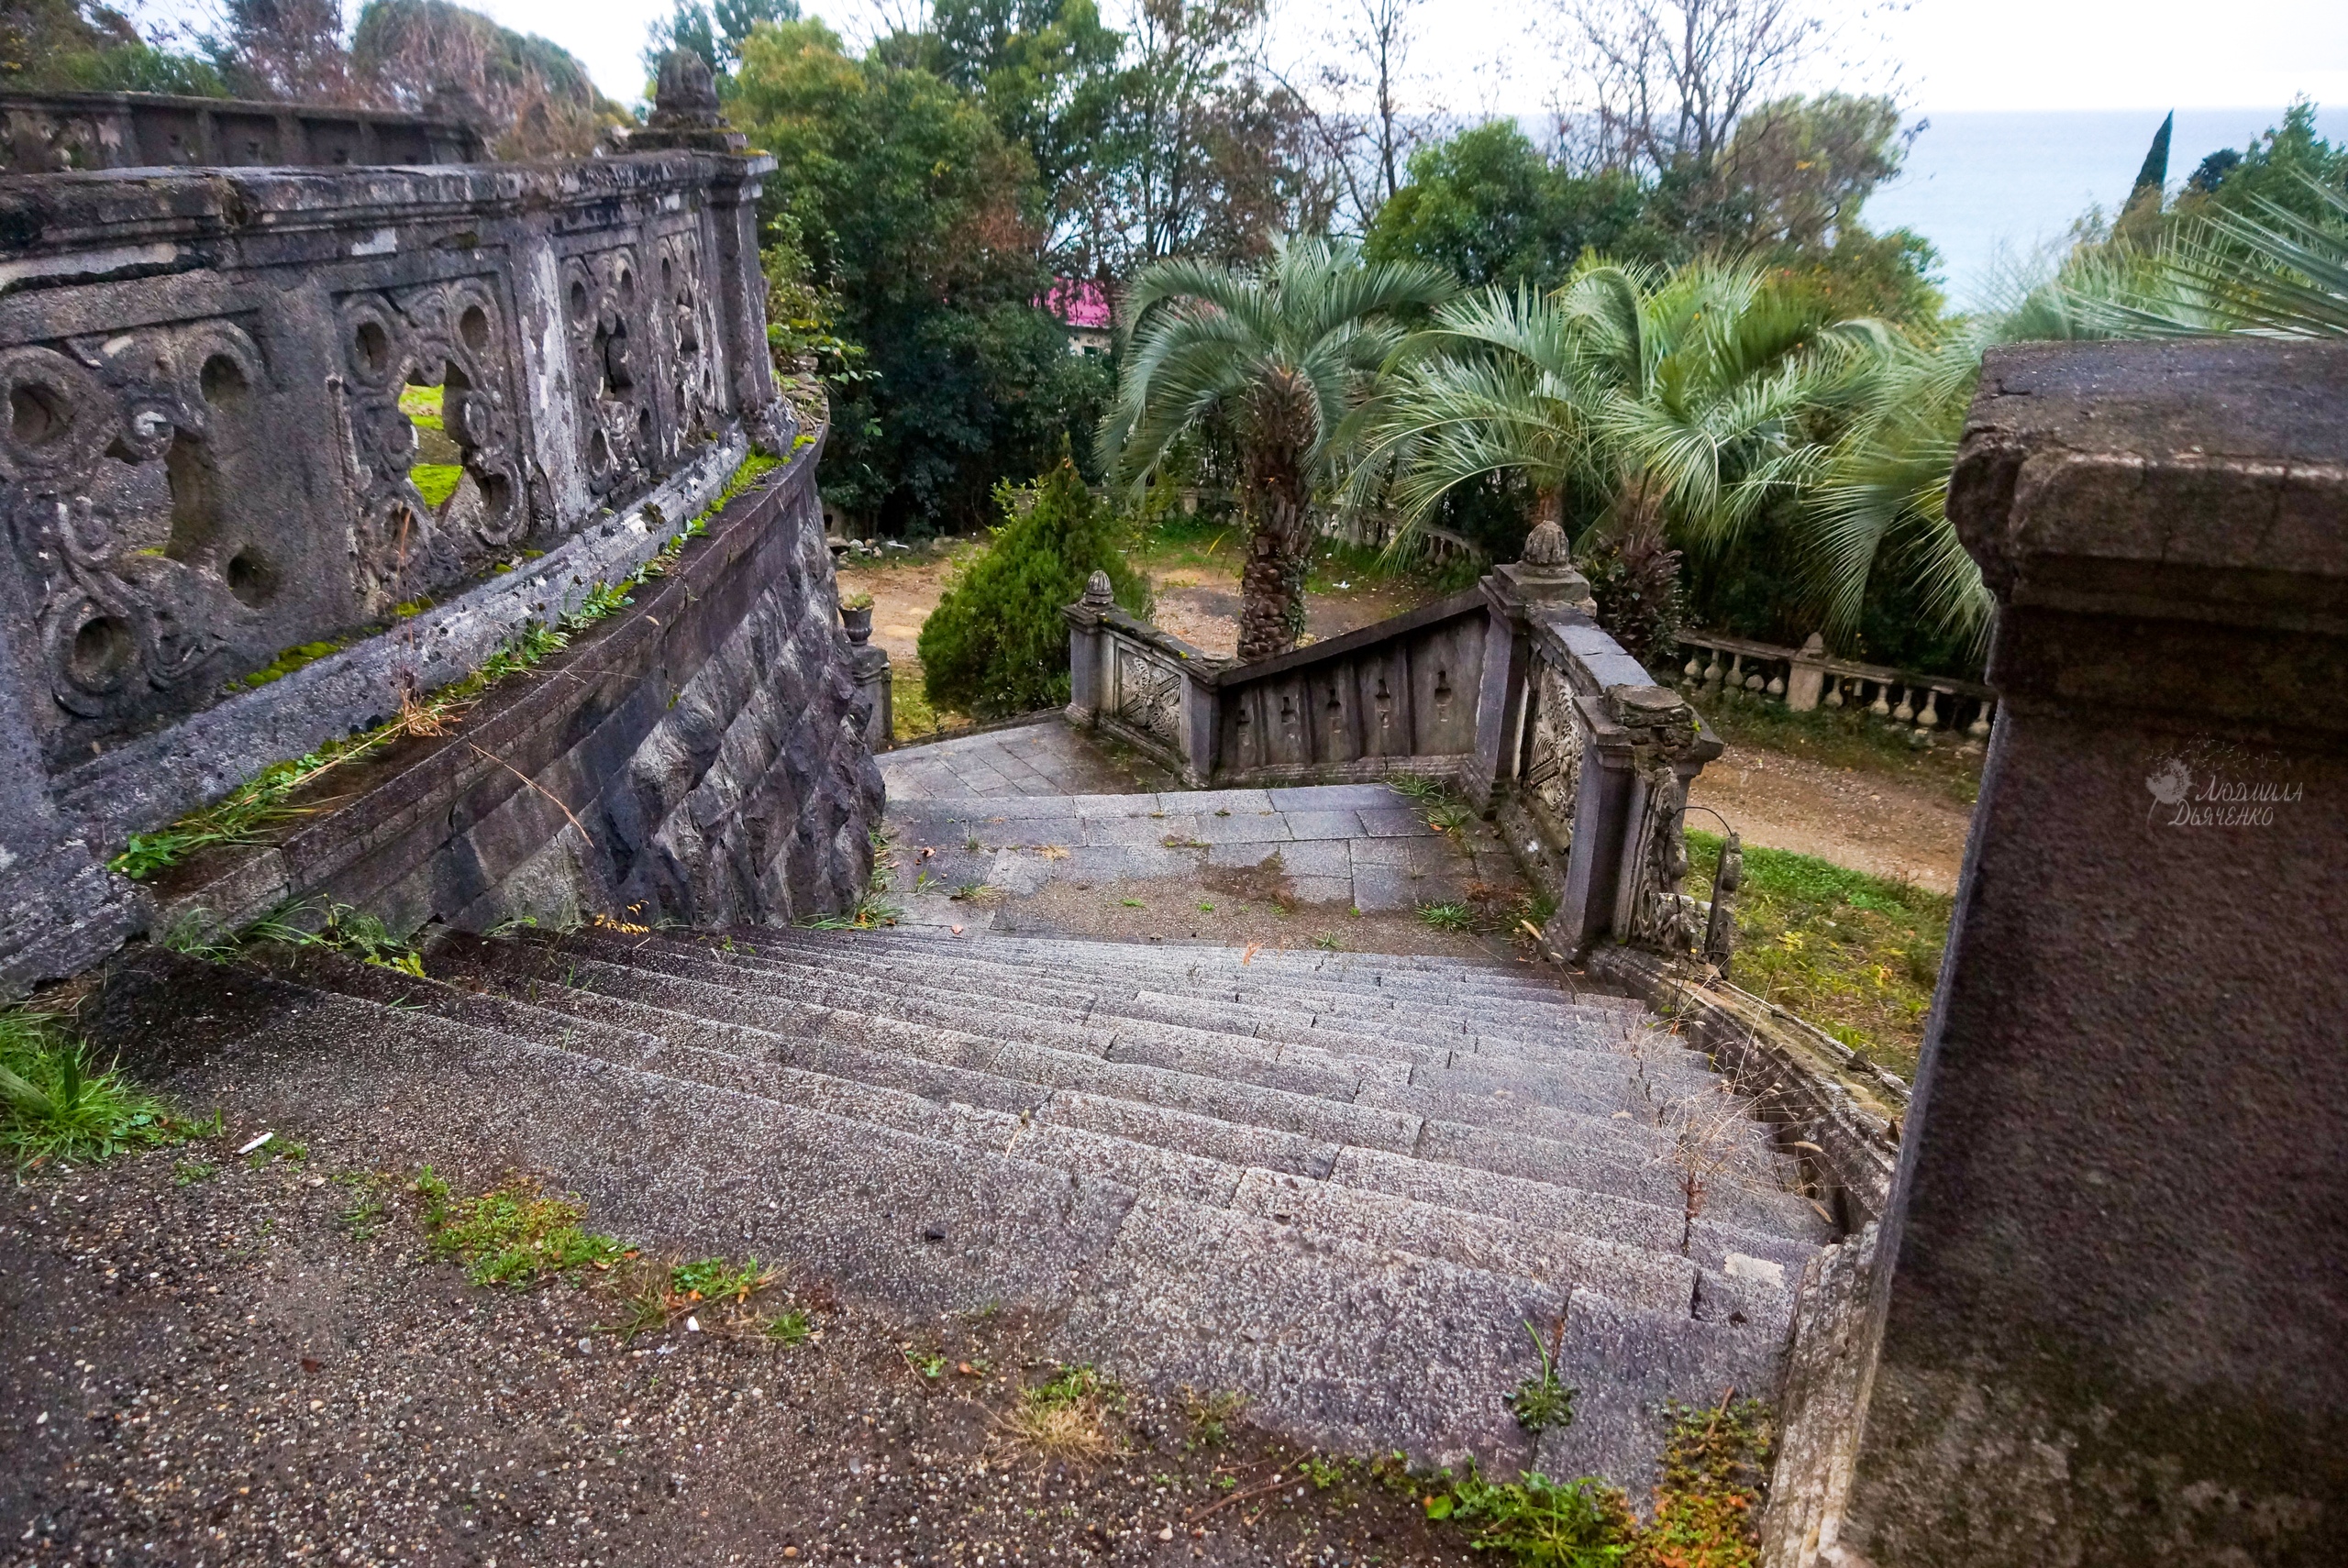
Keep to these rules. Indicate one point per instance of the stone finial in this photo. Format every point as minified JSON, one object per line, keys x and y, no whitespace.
{"x":684,"y":111}
{"x":1545,"y":548}
{"x":1098,"y":593}
{"x":1814,"y":645}
{"x":686,"y":98}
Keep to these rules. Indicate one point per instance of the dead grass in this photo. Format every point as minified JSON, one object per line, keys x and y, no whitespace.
{"x":1066,"y":1418}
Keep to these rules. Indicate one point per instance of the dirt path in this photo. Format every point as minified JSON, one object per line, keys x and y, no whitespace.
{"x":1863,"y":819}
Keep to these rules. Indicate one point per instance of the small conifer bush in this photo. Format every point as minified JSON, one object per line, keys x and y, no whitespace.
{"x":997,"y":644}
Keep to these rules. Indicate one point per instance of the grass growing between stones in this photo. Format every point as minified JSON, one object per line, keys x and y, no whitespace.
{"x":1715,"y":1470}
{"x":246,"y":813}
{"x":516,"y":1234}
{"x":56,"y":1102}
{"x":1856,"y":956}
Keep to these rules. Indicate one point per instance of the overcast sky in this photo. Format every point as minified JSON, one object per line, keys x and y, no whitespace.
{"x":1474,"y":55}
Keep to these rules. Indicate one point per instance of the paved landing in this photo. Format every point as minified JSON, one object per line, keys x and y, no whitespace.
{"x":1046,"y":757}
{"x":1358,"y":845}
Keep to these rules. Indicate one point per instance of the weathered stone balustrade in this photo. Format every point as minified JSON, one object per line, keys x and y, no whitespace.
{"x":1509,"y":690}
{"x":218,"y":552}
{"x":1808,"y":677}
{"x":52,"y":133}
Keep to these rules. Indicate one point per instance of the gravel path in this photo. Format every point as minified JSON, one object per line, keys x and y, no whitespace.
{"x":219,"y":1368}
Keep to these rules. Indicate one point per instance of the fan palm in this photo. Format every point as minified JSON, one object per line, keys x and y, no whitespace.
{"x":1281,"y":352}
{"x":1881,"y":504}
{"x":1683,"y":400}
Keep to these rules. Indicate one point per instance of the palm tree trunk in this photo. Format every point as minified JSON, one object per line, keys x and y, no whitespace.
{"x":1279,"y":536}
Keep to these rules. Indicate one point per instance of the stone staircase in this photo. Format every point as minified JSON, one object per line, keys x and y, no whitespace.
{"x":1339,"y":1183}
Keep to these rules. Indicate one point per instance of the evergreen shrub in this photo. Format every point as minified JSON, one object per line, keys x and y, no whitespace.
{"x":997,"y":644}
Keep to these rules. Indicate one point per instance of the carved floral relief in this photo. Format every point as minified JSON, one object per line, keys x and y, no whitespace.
{"x":116,"y":459}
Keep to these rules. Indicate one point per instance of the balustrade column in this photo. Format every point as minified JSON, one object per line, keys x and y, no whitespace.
{"x":1544,"y":579}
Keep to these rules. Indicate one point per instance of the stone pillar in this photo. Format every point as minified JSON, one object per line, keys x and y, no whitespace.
{"x":1088,"y":649}
{"x":1806,"y":682}
{"x":1201,"y":720}
{"x":1544,"y":579}
{"x":870,"y":667}
{"x":2110,"y":1322}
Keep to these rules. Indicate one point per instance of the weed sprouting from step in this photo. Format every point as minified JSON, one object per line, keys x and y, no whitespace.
{"x":1065,"y":1416}
{"x":59,"y":1102}
{"x":1541,"y":1401}
{"x":342,"y":928}
{"x":788,"y":1326}
{"x":1578,"y":1524}
{"x":1451,"y":916}
{"x":872,"y":912}
{"x":514,"y":1234}
{"x":1715,"y":1472}
{"x":1210,"y":1417}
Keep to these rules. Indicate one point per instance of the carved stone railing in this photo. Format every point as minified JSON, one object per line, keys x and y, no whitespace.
{"x":1510,"y":691}
{"x":1399,"y":697}
{"x":217,"y":551}
{"x":52,"y":133}
{"x":1808,"y":677}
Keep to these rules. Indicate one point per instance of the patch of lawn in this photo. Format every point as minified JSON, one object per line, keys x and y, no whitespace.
{"x":1855,"y":954}
{"x":1848,"y":737}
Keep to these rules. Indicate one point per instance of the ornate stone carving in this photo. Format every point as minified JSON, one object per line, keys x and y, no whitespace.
{"x":110,"y":455}
{"x":1149,"y":695}
{"x":1553,"y":762}
{"x":642,"y":358}
{"x":1659,"y":914}
{"x":450,"y":334}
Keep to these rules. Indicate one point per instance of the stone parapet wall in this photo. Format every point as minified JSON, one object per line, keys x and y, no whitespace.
{"x":218,"y":554}
{"x":49,"y":133}
{"x":700,"y":758}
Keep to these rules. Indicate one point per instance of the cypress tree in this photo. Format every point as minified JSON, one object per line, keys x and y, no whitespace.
{"x":2155,"y":173}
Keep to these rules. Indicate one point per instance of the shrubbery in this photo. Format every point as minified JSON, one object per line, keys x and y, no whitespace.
{"x":997,"y":645}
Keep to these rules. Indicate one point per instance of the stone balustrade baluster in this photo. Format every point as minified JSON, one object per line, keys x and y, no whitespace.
{"x":1882,"y":706}
{"x":1982,"y":717}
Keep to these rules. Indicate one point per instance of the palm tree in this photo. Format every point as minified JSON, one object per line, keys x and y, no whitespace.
{"x":1683,"y":401}
{"x":1880,"y":505}
{"x":1281,"y":352}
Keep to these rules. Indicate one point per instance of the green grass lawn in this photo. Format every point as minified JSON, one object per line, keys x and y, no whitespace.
{"x":1855,"y":954}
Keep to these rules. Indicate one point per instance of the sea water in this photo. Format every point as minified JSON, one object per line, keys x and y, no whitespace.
{"x":1994,"y":192}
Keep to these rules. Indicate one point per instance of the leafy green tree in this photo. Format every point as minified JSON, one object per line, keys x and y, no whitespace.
{"x":1282,"y":352}
{"x":1488,"y":206}
{"x":79,"y":45}
{"x":2154,"y":174}
{"x":911,"y":211}
{"x":715,"y":31}
{"x":997,"y":643}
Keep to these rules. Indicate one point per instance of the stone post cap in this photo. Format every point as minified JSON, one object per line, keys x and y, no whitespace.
{"x":686,"y":98}
{"x":1098,"y":592}
{"x":1814,"y":645}
{"x":1545,"y":574}
{"x":1646,"y":707}
{"x":2197,"y":480}
{"x":684,"y":111}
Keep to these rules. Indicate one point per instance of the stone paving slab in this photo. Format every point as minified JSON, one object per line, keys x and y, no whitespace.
{"x":1044,"y":757}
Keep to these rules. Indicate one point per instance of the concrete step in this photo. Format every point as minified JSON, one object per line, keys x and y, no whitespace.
{"x":930,"y":1100}
{"x":1276,"y":1129}
{"x":1040,"y":1004}
{"x":1367,"y":977}
{"x":1341,"y":1337}
{"x":934,"y":1226}
{"x":1226,"y":1121}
